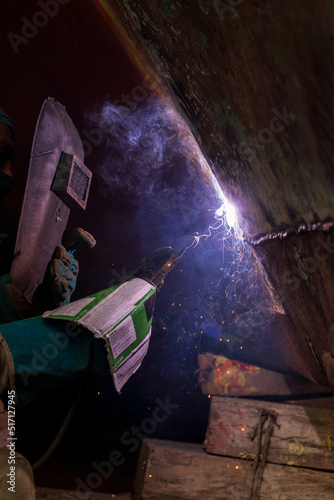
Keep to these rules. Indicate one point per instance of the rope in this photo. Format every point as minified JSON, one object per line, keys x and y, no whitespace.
{"x":262,"y":451}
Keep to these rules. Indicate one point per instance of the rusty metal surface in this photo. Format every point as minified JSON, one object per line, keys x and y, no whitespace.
{"x":301,"y":269}
{"x":44,"y":216}
{"x":254,"y":81}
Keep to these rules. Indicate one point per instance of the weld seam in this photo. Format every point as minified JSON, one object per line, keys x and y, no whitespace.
{"x":261,"y":239}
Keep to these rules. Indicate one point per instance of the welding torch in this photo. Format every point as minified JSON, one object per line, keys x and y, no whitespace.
{"x":174,"y":258}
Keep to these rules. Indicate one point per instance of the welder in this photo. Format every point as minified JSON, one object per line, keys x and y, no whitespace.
{"x":23,"y":332}
{"x":61,"y":280}
{"x":23,"y":329}
{"x":34,"y":358}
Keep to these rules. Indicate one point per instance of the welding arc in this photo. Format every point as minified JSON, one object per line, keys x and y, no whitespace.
{"x":210,"y":228}
{"x":174,"y":259}
{"x":177,"y":256}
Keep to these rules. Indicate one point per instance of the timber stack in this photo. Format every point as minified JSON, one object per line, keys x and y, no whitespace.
{"x":254,"y":448}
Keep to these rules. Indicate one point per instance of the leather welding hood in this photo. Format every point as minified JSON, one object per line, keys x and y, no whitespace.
{"x":44,"y":215}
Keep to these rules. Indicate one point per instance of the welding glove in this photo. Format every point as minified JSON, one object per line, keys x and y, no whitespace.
{"x":58,"y":285}
{"x":63,"y":274}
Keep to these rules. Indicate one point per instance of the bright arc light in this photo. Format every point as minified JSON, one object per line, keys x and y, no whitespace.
{"x":228,"y":209}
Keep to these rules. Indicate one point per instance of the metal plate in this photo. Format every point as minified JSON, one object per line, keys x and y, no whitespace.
{"x":44,"y":216}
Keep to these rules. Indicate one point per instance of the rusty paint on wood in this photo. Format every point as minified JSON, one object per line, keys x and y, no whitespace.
{"x":219,"y":375}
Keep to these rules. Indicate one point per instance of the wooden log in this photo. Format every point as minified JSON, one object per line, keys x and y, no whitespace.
{"x":182,"y":471}
{"x":219,"y":375}
{"x":57,"y":494}
{"x":302,"y":436}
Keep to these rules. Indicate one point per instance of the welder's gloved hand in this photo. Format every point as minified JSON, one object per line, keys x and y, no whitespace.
{"x":63,"y":274}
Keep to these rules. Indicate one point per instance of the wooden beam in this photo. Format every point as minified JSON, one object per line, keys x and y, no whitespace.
{"x":302,"y":436}
{"x":182,"y":471}
{"x":221,"y":376}
{"x":57,"y":494}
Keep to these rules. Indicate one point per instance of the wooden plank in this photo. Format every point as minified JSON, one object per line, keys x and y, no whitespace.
{"x":302,"y":436}
{"x":180,"y":471}
{"x":219,"y":375}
